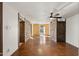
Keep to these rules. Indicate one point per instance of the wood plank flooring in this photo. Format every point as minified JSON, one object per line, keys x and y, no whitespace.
{"x":50,"y":48}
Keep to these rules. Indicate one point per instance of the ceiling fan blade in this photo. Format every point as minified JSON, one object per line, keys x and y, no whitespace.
{"x":57,"y":17}
{"x":57,"y":14}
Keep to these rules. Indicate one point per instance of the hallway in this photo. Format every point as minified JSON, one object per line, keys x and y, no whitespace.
{"x":21,"y":24}
{"x":33,"y":48}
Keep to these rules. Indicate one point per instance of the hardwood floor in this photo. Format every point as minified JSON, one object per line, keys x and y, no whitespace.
{"x":50,"y":48}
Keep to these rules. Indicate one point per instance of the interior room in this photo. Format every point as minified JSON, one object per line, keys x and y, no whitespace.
{"x":39,"y":28}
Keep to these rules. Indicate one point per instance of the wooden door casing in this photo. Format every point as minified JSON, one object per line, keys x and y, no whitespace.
{"x":22,"y":31}
{"x":1,"y":29}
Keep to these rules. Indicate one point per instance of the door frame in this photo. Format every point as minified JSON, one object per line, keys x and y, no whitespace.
{"x":19,"y":20}
{"x":57,"y":29}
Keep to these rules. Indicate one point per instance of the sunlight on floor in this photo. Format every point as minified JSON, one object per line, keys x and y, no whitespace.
{"x":42,"y":39}
{"x":40,"y":50}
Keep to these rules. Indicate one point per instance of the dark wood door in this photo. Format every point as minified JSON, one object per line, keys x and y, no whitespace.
{"x":1,"y":32}
{"x":61,"y":29}
{"x":22,"y":31}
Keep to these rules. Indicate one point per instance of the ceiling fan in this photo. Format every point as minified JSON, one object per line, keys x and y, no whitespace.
{"x":54,"y":16}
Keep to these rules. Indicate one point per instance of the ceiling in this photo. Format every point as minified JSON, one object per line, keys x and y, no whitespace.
{"x":38,"y":11}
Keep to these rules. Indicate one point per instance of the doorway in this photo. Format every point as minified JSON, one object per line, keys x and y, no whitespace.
{"x":21,"y":32}
{"x":42,"y":34}
{"x":61,"y":31}
{"x":42,"y":30}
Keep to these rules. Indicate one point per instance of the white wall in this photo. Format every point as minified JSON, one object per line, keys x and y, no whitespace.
{"x":10,"y":29}
{"x":72,"y":30}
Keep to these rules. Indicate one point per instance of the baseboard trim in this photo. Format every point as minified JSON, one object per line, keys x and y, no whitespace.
{"x":72,"y":45}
